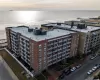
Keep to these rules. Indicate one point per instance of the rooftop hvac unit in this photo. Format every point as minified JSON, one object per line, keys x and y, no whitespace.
{"x":81,"y":26}
{"x":30,"y":30}
{"x":58,"y":23}
{"x":37,"y":31}
{"x":44,"y":32}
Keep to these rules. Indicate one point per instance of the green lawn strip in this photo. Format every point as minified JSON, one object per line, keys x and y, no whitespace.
{"x":13,"y":64}
{"x":46,"y":74}
{"x":40,"y":77}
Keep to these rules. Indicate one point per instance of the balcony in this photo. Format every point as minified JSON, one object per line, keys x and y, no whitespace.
{"x":55,"y":51}
{"x":60,"y":41}
{"x":64,"y":48}
{"x":65,"y":40}
{"x":55,"y":46}
{"x":59,"y":56}
{"x":50,"y":48}
{"x":49,"y":58}
{"x":63,"y":55}
{"x":68,"y":46}
{"x":68,"y":43}
{"x":49,"y":64}
{"x":54,"y":62}
{"x":69,"y":39}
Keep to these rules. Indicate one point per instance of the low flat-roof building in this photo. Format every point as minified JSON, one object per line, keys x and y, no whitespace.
{"x":89,"y":36}
{"x":40,"y":48}
{"x":91,"y":21}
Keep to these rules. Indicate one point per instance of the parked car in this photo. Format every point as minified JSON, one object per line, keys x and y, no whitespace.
{"x":98,"y":65}
{"x":92,"y":58}
{"x":78,"y":66}
{"x":89,"y":72}
{"x":73,"y":69}
{"x":94,"y":68}
{"x":62,"y":76}
{"x":67,"y":71}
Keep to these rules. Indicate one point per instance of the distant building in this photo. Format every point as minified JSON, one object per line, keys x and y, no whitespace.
{"x":89,"y":36}
{"x":40,"y":48}
{"x":91,"y":21}
{"x":70,"y":22}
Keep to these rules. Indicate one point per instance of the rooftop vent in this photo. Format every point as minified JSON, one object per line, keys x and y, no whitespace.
{"x":44,"y":32}
{"x":81,"y":26}
{"x":58,"y":23}
{"x":36,"y":28}
{"x":39,"y":31}
{"x":30,"y":30}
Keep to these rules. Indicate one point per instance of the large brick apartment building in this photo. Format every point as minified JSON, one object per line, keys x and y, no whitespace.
{"x":89,"y":36}
{"x":40,"y":48}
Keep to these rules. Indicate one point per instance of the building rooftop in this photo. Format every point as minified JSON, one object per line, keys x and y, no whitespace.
{"x":74,"y":28}
{"x":50,"y":34}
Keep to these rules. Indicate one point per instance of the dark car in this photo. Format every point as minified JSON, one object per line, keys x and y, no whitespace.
{"x":61,"y":76}
{"x":97,"y":65}
{"x":67,"y":71}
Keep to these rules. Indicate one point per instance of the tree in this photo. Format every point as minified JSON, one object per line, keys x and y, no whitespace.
{"x":96,"y":77}
{"x":99,"y":75}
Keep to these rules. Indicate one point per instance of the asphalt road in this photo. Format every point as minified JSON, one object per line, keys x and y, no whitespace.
{"x":4,"y":74}
{"x":81,"y":73}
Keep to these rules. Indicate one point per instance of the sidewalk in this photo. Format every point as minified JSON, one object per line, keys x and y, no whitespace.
{"x":14,"y":77}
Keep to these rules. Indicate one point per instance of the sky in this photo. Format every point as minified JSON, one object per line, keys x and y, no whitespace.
{"x":51,"y":4}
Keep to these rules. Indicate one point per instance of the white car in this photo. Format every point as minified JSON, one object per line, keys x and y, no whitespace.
{"x":92,"y":58}
{"x":73,"y":69}
{"x":98,"y":65}
{"x":89,"y":72}
{"x":78,"y":66}
{"x":94,"y":68}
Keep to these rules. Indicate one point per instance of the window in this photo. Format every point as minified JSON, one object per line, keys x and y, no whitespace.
{"x":40,"y":46}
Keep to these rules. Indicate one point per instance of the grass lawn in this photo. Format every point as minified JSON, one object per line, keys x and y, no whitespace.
{"x":40,"y":77}
{"x":46,"y":73}
{"x":16,"y":68}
